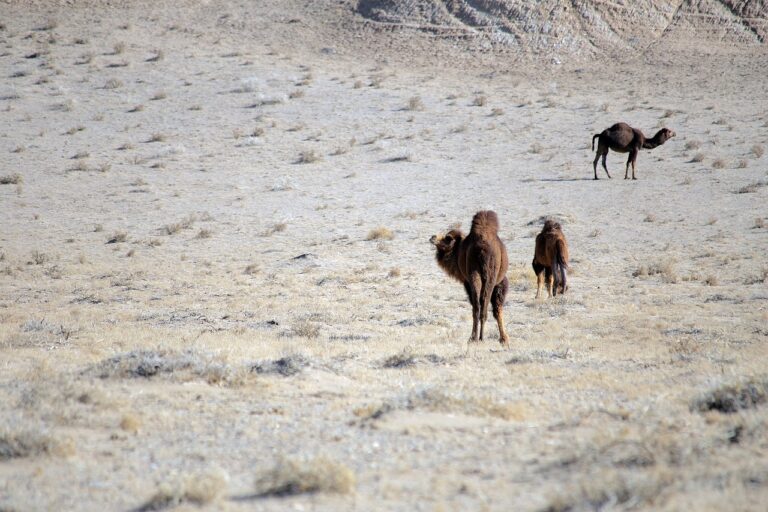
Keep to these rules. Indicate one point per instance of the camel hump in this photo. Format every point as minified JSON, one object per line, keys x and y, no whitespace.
{"x":485,"y":223}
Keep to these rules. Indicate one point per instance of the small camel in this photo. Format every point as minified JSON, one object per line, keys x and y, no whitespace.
{"x":622,"y":138}
{"x":479,"y":261}
{"x":550,"y":259}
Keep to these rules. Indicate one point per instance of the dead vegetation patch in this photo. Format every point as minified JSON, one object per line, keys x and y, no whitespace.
{"x":22,"y":443}
{"x":291,"y":477}
{"x":407,"y":359}
{"x":286,"y":366}
{"x":732,"y":397}
{"x":186,"y":365}
{"x":199,"y":489}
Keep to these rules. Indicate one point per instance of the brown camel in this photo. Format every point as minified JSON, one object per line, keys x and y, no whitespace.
{"x":622,"y":138}
{"x":479,"y":261}
{"x":550,"y":260}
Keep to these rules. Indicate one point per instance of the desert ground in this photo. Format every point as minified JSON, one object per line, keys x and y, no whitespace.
{"x":217,"y":290}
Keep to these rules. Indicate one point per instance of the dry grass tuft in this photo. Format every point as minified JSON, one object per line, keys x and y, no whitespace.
{"x":113,"y":83}
{"x":729,"y":398}
{"x":157,"y":137}
{"x":415,"y":104}
{"x":198,"y":489}
{"x":666,"y":269}
{"x":308,"y":157}
{"x":692,"y":144}
{"x":11,"y":179}
{"x":719,"y":163}
{"x":285,"y":366}
{"x":185,"y":223}
{"x":758,"y":150}
{"x":479,"y":101}
{"x":319,"y":475}
{"x":252,"y":269}
{"x":22,"y":443}
{"x":380,"y":233}
{"x":698,"y":157}
{"x":118,"y":237}
{"x":181,"y":365}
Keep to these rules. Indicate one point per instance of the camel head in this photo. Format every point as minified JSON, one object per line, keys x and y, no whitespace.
{"x":445,"y":243}
{"x":666,"y":134}
{"x":551,"y":225}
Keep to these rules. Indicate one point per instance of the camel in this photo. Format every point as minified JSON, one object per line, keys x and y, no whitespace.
{"x":550,"y":259}
{"x":479,"y":261}
{"x":622,"y":138}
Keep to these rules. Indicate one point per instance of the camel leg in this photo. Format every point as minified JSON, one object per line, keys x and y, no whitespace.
{"x":605,"y":156}
{"x":633,"y":157}
{"x":499,"y":296}
{"x":548,"y":278}
{"x":539,"y":271}
{"x":485,"y":300}
{"x":629,"y":160}
{"x":475,"y":286}
{"x":594,"y":164}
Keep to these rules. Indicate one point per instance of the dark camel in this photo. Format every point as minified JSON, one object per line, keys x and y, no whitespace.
{"x":622,"y":138}
{"x":550,"y":259}
{"x":479,"y":261}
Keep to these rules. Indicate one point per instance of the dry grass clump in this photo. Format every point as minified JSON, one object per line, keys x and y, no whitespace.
{"x":11,"y":179}
{"x":480,"y":100}
{"x":252,"y":269}
{"x":698,"y":157}
{"x":308,"y":157}
{"x":159,"y":96}
{"x":380,"y":233}
{"x":181,"y":365}
{"x":186,"y":223}
{"x":118,"y":237}
{"x":204,"y":233}
{"x":118,"y":48}
{"x":290,"y":477}
{"x":21,"y":443}
{"x":666,"y":269}
{"x":751,"y":188}
{"x":285,"y":366}
{"x":758,"y":150}
{"x":732,"y":397}
{"x":415,"y":104}
{"x":298,"y":93}
{"x":305,"y":329}
{"x":198,"y":489}
{"x":692,"y":144}
{"x":474,"y":404}
{"x":719,"y":163}
{"x":113,"y":83}
{"x":407,"y":359}
{"x":157,"y":137}
{"x":760,"y":223}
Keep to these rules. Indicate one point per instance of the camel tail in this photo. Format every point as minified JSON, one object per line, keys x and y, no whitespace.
{"x":560,"y":279}
{"x":593,"y":140}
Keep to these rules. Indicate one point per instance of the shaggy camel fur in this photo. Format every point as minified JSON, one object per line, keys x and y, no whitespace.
{"x":550,"y":260}
{"x":479,"y":261}
{"x":622,"y":138}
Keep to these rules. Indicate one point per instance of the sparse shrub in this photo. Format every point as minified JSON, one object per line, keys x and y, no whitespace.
{"x":751,"y":188}
{"x":711,"y":280}
{"x":199,"y":489}
{"x":186,"y":223}
{"x":156,"y":137}
{"x":292,"y":477}
{"x":306,"y":329}
{"x":39,"y":258}
{"x":257,"y":132}
{"x":479,"y":101}
{"x":159,"y":96}
{"x":758,"y":150}
{"x":17,"y":444}
{"x":692,"y":144}
{"x":113,"y":83}
{"x":137,"y":108}
{"x":664,"y":268}
{"x":415,"y":103}
{"x":308,"y":157}
{"x":358,"y":84}
{"x":118,"y":48}
{"x":733,"y":397}
{"x":497,"y":112}
{"x":298,"y":93}
{"x":698,"y":157}
{"x":81,"y":154}
{"x":595,"y":233}
{"x":536,"y":148}
{"x":118,"y":237}
{"x":380,"y":233}
{"x":204,"y":233}
{"x":11,"y":179}
{"x":158,"y":56}
{"x":286,"y":366}
{"x":394,"y":272}
{"x":742,"y":164}
{"x":650,"y":218}
{"x":719,"y":163}
{"x":759,"y":223}
{"x":252,"y":269}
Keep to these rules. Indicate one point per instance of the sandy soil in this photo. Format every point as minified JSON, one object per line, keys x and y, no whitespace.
{"x":217,"y":290}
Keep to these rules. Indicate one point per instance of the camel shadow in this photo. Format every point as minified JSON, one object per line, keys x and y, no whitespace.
{"x":566,"y":179}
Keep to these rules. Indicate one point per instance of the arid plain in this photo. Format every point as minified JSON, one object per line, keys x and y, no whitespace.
{"x":217,"y":289}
